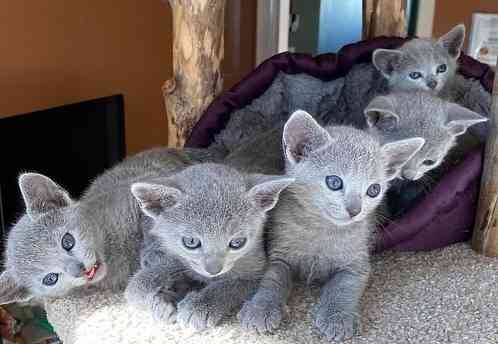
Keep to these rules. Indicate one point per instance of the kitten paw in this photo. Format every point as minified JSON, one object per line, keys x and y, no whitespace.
{"x":337,"y":325}
{"x":197,"y":313}
{"x":162,"y":304}
{"x":260,"y":315}
{"x":163,"y":307}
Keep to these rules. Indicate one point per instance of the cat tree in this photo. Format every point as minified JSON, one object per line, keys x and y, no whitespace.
{"x":197,"y":53}
{"x":485,"y":236}
{"x":198,"y":27}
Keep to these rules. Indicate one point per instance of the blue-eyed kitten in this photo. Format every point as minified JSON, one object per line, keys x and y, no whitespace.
{"x":207,"y":228}
{"x":421,"y":64}
{"x":319,"y":231}
{"x":61,"y":244}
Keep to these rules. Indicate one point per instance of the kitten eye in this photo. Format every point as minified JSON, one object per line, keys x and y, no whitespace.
{"x":237,"y":243}
{"x":373,"y":190}
{"x":50,"y":279}
{"x":67,"y":242}
{"x":334,"y":183}
{"x":428,"y":162}
{"x":415,"y":75}
{"x":191,"y":243}
{"x":441,"y":68}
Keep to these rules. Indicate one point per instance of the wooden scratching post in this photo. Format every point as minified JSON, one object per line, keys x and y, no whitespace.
{"x":485,"y":239}
{"x":384,"y":18}
{"x":198,"y":27}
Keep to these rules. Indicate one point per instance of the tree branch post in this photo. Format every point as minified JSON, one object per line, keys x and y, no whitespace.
{"x":198,"y":27}
{"x":384,"y":18}
{"x":485,"y":236}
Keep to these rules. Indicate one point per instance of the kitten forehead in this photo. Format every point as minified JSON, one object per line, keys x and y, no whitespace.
{"x":420,"y":48}
{"x":419,"y":113}
{"x":213,"y":194}
{"x":351,"y":151}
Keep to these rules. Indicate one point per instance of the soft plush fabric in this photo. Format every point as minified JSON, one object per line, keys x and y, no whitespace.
{"x":443,"y":296}
{"x":332,"y":87}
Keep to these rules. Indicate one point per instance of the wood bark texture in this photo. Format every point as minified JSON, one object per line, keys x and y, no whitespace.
{"x":198,"y":27}
{"x":384,"y":18}
{"x":485,"y":237}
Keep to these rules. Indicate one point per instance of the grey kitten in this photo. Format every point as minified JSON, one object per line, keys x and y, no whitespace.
{"x":418,"y":65}
{"x":207,"y":228}
{"x":403,"y":115}
{"x":61,"y":244}
{"x":421,"y":64}
{"x":319,"y":230}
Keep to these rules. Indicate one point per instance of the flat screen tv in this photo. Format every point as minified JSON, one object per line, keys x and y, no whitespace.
{"x":71,"y":144}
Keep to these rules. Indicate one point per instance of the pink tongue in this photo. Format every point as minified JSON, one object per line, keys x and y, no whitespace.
{"x":91,"y":273}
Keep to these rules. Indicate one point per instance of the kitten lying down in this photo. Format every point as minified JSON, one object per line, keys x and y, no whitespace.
{"x":61,"y":244}
{"x":320,"y":228}
{"x":207,"y":228}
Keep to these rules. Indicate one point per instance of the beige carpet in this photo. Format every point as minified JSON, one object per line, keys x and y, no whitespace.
{"x":445,"y":296}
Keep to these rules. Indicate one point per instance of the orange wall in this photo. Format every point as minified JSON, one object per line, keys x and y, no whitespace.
{"x":448,"y":13}
{"x":55,"y":52}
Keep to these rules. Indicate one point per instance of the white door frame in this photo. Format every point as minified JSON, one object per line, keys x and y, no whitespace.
{"x":272,"y":28}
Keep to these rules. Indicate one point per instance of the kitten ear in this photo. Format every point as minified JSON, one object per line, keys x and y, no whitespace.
{"x":265,"y":195}
{"x":41,"y":194}
{"x":396,"y":154}
{"x":11,"y":291}
{"x":460,"y":119}
{"x":302,"y":135}
{"x":453,"y":40}
{"x":380,"y":113}
{"x":386,"y":60}
{"x":155,"y":198}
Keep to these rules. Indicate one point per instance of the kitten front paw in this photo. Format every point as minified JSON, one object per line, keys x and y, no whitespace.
{"x":163,"y":307}
{"x":197,"y":312}
{"x":337,"y":325}
{"x":261,"y":315}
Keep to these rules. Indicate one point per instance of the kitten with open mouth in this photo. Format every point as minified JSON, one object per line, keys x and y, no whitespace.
{"x":61,"y":245}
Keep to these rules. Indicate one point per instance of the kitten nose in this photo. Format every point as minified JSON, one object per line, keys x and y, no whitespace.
{"x":74,"y":268}
{"x":353,"y":209}
{"x":213,"y":266}
{"x":432,"y":84}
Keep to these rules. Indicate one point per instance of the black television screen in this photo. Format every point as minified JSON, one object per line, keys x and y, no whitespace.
{"x":71,"y":144}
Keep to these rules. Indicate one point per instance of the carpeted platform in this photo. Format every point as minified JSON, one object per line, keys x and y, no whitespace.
{"x":443,"y":296}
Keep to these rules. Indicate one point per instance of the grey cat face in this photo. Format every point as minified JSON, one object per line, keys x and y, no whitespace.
{"x":209,"y":215}
{"x":346,"y":169}
{"x":404,"y":115}
{"x":48,"y":252}
{"x":421,"y":64}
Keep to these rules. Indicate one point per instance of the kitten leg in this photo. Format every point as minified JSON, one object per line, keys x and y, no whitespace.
{"x":337,"y":313}
{"x":263,"y":312}
{"x":206,"y":308}
{"x":152,"y":289}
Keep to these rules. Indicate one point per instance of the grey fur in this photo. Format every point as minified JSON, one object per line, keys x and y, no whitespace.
{"x":286,"y":94}
{"x":422,"y":56}
{"x":418,"y":114}
{"x":213,"y":204}
{"x":104,"y":222}
{"x":312,"y":233}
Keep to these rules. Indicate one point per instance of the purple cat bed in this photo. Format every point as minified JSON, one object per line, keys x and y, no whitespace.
{"x":443,"y":217}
